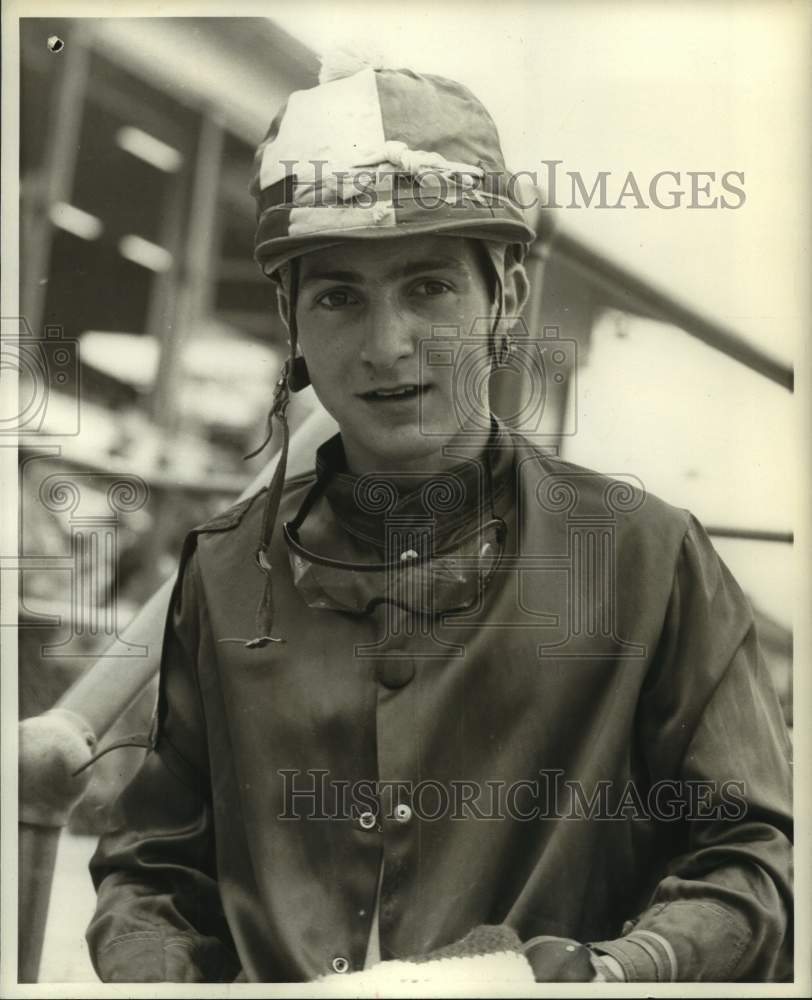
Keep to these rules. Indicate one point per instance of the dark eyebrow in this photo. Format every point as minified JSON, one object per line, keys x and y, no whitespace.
{"x":432,"y":264}
{"x":351,"y":277}
{"x":404,"y":271}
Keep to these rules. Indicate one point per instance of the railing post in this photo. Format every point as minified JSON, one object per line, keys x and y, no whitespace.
{"x":37,"y":848}
{"x":52,"y":747}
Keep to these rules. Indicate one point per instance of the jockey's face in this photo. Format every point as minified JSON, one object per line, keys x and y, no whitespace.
{"x":368,"y":313}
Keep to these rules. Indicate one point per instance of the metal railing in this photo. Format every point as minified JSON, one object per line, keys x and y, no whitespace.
{"x":627,"y":290}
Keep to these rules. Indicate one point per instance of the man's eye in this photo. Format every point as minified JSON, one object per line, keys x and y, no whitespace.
{"x":432,"y":286}
{"x":337,"y":298}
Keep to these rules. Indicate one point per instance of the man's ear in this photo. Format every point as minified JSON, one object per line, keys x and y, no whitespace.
{"x":517,"y":288}
{"x":282,"y":303}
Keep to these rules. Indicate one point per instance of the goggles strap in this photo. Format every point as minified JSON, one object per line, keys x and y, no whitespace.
{"x":298,"y":376}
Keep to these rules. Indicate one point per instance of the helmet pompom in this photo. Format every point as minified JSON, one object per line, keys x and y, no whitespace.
{"x":339,"y":63}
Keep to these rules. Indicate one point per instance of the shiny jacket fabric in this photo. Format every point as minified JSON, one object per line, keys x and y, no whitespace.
{"x":612,"y":670}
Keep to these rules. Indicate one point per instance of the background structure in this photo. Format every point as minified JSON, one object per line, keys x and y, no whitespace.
{"x":137,"y":138}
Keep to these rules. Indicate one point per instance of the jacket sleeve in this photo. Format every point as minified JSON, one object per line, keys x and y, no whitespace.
{"x":709,"y":716}
{"x":158,"y":914}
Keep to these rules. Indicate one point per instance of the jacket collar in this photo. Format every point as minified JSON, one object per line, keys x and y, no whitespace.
{"x":364,"y":504}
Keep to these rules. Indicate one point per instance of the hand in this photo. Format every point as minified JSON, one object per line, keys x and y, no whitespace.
{"x":562,"y":960}
{"x":607,"y":969}
{"x":559,"y":960}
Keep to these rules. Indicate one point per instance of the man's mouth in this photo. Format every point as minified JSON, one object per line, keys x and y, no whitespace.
{"x":398,"y":393}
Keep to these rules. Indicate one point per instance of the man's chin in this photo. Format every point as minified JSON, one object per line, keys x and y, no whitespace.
{"x":409,"y":448}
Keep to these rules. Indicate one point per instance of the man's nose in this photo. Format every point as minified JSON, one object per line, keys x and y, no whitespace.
{"x":390,"y":336}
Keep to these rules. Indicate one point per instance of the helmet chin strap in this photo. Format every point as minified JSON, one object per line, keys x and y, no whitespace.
{"x":502,"y":341}
{"x":263,"y":619}
{"x":494,"y":258}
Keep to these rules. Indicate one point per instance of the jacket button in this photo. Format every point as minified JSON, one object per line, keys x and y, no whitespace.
{"x":403,"y":813}
{"x":367,"y":820}
{"x":395,"y":673}
{"x":340,"y":964}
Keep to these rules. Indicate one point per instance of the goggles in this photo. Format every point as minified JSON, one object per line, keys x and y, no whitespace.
{"x":414,"y":575}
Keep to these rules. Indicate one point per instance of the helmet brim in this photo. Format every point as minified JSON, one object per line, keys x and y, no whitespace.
{"x":274,"y":251}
